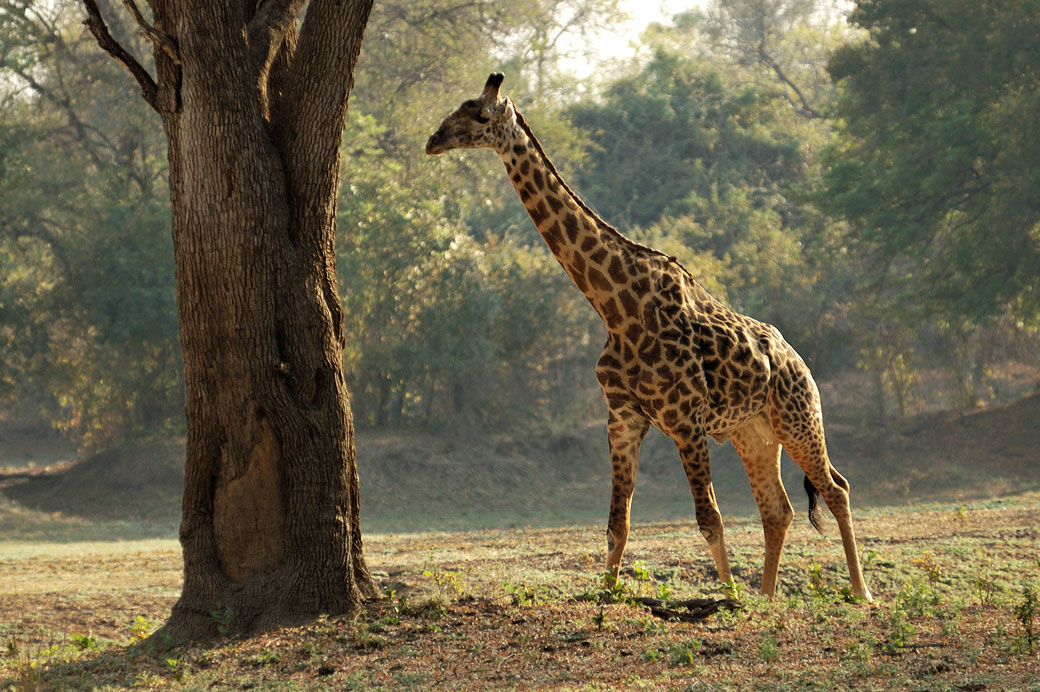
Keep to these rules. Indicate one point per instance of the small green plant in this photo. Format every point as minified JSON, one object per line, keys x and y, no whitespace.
{"x":985,"y":588}
{"x":222,"y":617}
{"x":447,"y":582}
{"x":816,"y":585}
{"x":932,"y":569}
{"x":664,"y":592}
{"x":918,"y":598}
{"x":84,"y":641}
{"x":651,"y":654}
{"x":769,"y":649}
{"x":175,"y":667}
{"x":648,"y":625}
{"x":1026,"y":613}
{"x":640,"y":572}
{"x":612,"y":590}
{"x":684,"y":654}
{"x":732,"y":589}
{"x":265,"y":658}
{"x":139,"y":630}
{"x":525,"y":594}
{"x":900,"y":631}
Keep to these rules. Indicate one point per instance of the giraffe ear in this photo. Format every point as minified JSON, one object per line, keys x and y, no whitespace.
{"x":491,"y":88}
{"x":503,"y":110}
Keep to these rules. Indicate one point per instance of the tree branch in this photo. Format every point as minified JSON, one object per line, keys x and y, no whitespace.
{"x":161,"y":39}
{"x":329,"y":44}
{"x":802,"y":107}
{"x":96,"y":24}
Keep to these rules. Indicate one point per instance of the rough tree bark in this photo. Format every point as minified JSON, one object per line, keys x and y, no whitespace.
{"x":253,"y":101}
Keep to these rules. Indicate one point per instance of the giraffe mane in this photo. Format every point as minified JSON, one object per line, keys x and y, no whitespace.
{"x":581,"y":203}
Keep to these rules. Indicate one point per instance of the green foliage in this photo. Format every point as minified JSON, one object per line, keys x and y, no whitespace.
{"x":1027,"y":612}
{"x":526,"y":594}
{"x":673,"y":136}
{"x":222,"y":618}
{"x":935,"y":162}
{"x":684,"y":653}
{"x":87,"y":291}
{"x":900,"y":631}
{"x":899,"y":250}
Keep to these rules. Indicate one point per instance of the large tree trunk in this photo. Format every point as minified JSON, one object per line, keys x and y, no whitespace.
{"x":254,"y":114}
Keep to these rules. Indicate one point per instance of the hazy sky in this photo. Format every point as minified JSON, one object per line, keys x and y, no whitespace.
{"x":618,"y":42}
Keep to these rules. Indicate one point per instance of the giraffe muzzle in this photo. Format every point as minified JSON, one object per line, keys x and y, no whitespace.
{"x":434,"y":145}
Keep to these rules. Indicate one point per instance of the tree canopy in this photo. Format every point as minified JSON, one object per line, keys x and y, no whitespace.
{"x":882,"y":211}
{"x":935,"y":159}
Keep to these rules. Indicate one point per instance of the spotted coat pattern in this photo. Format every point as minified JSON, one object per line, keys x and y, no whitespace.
{"x":675,"y":357}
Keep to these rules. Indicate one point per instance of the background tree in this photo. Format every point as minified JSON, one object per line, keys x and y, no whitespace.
{"x":86,"y":294}
{"x":936,"y":162}
{"x":457,"y":315}
{"x":933,"y":167}
{"x":253,"y":99}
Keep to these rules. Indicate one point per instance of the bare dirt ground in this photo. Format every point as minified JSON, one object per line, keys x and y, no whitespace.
{"x":495,"y":610}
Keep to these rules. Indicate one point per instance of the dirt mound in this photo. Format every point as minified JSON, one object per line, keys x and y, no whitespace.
{"x":413,"y":481}
{"x":945,"y":456}
{"x":135,"y":482}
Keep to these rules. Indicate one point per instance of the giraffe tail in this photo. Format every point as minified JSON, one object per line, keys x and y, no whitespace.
{"x":814,"y":504}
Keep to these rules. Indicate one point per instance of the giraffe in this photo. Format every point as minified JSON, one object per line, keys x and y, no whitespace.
{"x":675,"y":358}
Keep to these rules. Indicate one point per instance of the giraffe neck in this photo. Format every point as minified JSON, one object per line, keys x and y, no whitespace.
{"x":597,"y":258}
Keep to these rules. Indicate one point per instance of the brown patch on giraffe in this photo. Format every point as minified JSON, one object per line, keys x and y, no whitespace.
{"x":611,"y":314}
{"x":617,"y":270}
{"x":652,"y":355}
{"x":633,"y":332}
{"x":553,"y":243}
{"x":539,"y":181}
{"x":570,"y":224}
{"x":629,"y":304}
{"x":539,"y":213}
{"x":598,"y":281}
{"x":650,"y":318}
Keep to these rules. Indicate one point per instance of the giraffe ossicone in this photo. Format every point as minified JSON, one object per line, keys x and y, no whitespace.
{"x":675,"y":358}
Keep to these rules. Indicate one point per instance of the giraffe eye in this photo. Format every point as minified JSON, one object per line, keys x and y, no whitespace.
{"x":481,"y":119}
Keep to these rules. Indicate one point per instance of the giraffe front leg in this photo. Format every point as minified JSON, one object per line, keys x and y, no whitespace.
{"x":625,"y":429}
{"x":693,"y":449}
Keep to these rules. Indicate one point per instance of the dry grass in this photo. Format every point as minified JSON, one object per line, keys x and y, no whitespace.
{"x":493,"y":610}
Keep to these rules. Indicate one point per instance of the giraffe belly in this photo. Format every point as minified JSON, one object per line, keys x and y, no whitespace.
{"x":717,"y":400}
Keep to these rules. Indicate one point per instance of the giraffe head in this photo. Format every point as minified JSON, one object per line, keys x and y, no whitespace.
{"x":477,"y":123}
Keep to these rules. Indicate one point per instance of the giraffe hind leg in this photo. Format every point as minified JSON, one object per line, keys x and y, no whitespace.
{"x":814,"y":497}
{"x":798,"y":425}
{"x":760,"y":452}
